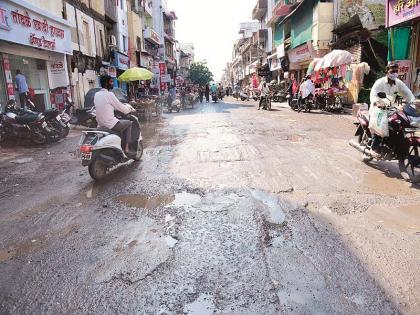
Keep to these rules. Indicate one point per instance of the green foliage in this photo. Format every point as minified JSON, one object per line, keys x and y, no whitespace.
{"x":382,"y":37}
{"x":200,"y":73}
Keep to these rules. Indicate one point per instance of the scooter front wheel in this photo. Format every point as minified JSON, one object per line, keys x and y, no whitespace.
{"x":97,"y":169}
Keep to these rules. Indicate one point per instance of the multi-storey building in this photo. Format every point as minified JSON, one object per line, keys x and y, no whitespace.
{"x":88,"y":42}
{"x":185,"y":60}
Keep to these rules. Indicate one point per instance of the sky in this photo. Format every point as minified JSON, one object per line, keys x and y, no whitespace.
{"x":213,"y":27}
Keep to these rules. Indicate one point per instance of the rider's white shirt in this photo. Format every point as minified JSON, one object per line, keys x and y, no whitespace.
{"x":307,"y":88}
{"x":105,"y":104}
{"x":382,"y":85}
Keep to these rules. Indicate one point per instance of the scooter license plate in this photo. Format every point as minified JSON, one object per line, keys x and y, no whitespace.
{"x":86,"y":156}
{"x":58,"y":118}
{"x":44,"y":124}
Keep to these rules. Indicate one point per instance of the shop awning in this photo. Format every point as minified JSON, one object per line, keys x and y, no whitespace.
{"x":301,"y":23}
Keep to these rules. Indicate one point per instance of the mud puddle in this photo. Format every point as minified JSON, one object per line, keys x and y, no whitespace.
{"x":182,"y":199}
{"x":146,"y":202}
{"x":380,"y":183}
{"x":400,"y":218}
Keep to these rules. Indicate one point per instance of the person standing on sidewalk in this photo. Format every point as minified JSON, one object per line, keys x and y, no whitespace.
{"x":207,"y":93}
{"x":200,"y":94}
{"x":21,"y":88}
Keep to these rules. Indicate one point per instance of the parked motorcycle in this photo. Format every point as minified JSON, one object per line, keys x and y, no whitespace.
{"x":58,"y":122}
{"x":100,"y":149}
{"x":81,"y":116}
{"x":23,"y":124}
{"x":256,"y":95}
{"x":402,"y":144}
{"x":279,"y":96}
{"x":244,"y":96}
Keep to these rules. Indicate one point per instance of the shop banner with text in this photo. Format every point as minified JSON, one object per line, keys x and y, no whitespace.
{"x":26,"y":27}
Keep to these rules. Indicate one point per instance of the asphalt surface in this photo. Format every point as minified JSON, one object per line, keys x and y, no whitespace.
{"x":231,"y":211}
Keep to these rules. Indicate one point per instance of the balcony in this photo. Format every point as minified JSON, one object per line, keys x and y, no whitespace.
{"x":260,"y":10}
{"x":148,"y":8}
{"x":151,"y":36}
{"x":281,"y":9}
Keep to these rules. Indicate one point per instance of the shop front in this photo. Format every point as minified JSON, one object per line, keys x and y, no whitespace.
{"x":403,"y":21}
{"x":36,"y":43}
{"x":299,"y":59}
{"x":121,"y":63}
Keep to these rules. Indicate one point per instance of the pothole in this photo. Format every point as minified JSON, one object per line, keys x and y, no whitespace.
{"x":179,"y":200}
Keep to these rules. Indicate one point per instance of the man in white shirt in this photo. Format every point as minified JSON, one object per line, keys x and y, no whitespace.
{"x":307,"y":88}
{"x":391,"y":86}
{"x":105,"y":104}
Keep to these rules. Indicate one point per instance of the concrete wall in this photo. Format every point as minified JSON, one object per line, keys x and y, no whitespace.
{"x":98,"y":6}
{"x":54,"y":7}
{"x":71,"y":17}
{"x":134,"y":31}
{"x":323,"y":24}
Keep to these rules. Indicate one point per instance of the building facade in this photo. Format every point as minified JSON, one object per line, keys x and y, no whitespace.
{"x":38,"y":43}
{"x":403,"y":23}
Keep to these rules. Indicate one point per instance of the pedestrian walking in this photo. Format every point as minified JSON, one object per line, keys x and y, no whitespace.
{"x":200,"y":94}
{"x":207,"y":93}
{"x":21,"y":88}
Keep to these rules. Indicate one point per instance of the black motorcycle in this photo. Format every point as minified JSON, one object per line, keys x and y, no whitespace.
{"x":19,"y":124}
{"x":81,"y":116}
{"x":214,"y":97}
{"x":58,"y":122}
{"x":306,"y":104}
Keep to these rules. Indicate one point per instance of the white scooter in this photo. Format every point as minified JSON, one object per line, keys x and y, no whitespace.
{"x":100,"y":149}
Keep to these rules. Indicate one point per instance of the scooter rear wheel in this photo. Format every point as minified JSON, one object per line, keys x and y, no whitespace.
{"x":97,"y":169}
{"x":139,"y":153}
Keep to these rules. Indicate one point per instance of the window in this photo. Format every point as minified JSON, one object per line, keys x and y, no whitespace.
{"x":87,"y":37}
{"x":124,"y":43}
{"x":101,"y":45}
{"x":122,"y":4}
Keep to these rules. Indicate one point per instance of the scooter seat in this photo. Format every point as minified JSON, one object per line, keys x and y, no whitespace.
{"x":26,"y":118}
{"x":110,"y":131}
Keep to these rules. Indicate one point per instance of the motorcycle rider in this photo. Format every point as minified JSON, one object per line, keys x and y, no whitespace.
{"x":391,"y":86}
{"x":106,"y":103}
{"x":306,"y":89}
{"x":264,"y":90}
{"x":213,"y":89}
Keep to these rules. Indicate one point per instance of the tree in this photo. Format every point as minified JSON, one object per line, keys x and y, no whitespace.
{"x":200,"y":73}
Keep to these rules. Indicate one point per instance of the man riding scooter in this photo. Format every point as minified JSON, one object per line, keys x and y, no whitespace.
{"x":106,"y":103}
{"x":391,"y":86}
{"x":307,"y":89}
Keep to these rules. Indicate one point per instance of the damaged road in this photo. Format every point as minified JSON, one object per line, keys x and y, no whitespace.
{"x":230,"y":211}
